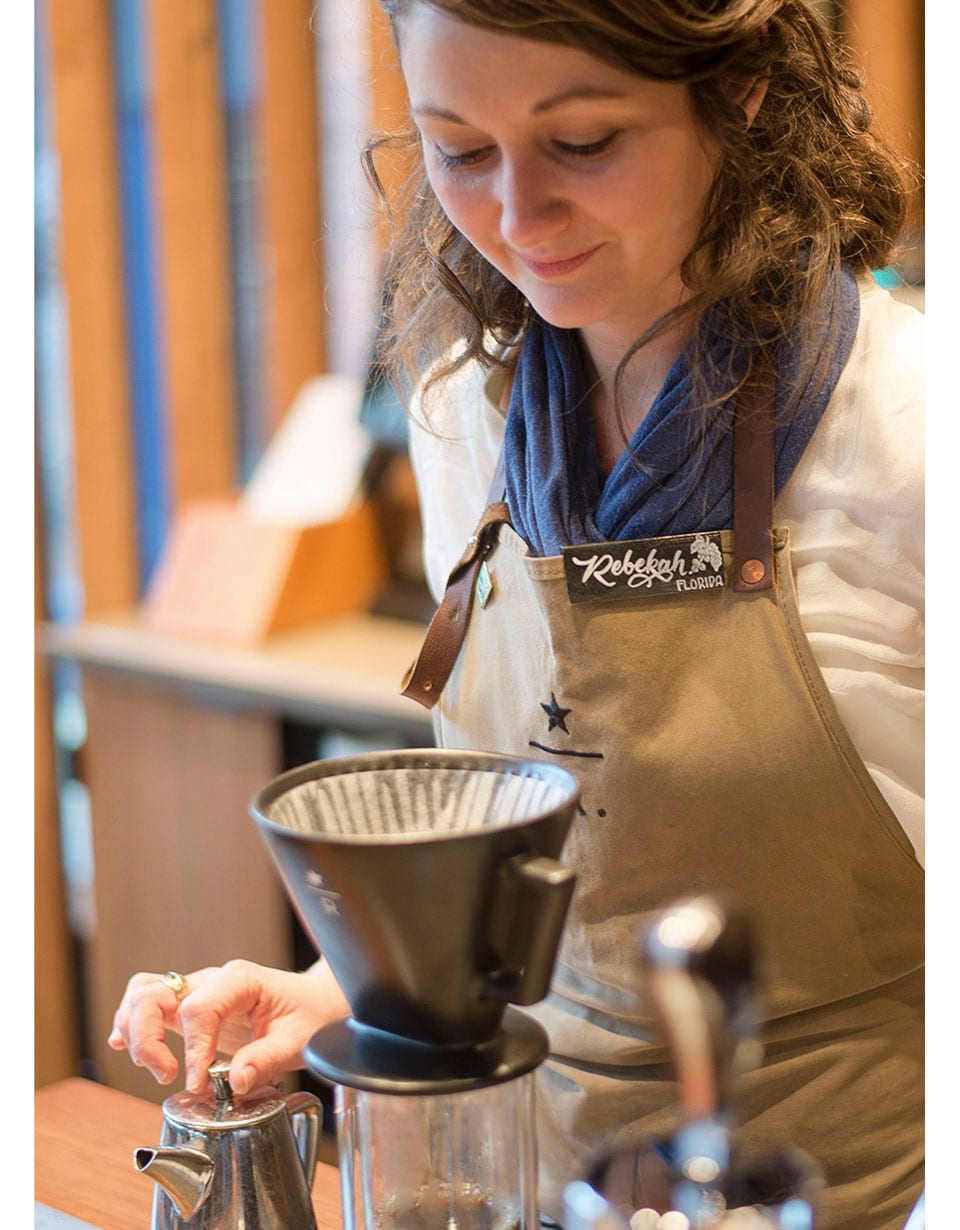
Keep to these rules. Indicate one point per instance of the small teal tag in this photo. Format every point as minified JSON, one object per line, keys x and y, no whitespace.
{"x":484,"y":585}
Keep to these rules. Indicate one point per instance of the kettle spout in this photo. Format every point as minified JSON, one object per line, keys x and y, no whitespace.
{"x":184,"y":1174}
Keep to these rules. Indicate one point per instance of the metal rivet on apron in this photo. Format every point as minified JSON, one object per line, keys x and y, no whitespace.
{"x":752,"y":571}
{"x":428,"y":686}
{"x":455,"y":614}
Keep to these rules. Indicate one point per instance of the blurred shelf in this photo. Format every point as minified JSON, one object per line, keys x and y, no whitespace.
{"x":340,"y":671}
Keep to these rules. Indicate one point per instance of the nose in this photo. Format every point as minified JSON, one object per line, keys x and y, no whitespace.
{"x":532,"y":207}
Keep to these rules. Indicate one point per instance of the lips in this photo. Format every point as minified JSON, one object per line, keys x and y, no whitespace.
{"x":558,"y":267}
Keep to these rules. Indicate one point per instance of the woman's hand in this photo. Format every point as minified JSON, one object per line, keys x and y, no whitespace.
{"x":262,"y":1017}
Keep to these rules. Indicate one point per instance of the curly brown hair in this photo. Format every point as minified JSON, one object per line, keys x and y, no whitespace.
{"x":804,"y":188}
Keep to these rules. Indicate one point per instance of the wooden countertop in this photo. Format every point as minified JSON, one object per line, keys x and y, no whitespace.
{"x":342,"y":670}
{"x":84,"y":1138}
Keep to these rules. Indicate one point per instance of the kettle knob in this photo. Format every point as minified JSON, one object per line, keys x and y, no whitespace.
{"x":219,"y":1074}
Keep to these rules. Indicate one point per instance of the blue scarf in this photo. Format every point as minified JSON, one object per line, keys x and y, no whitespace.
{"x":555,"y":491}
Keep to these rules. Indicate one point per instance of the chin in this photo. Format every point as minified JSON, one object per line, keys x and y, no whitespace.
{"x":564,"y":311}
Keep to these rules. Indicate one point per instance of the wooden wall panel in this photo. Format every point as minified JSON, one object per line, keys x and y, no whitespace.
{"x":294,"y":316}
{"x":386,"y":82}
{"x":56,"y":1049}
{"x":81,"y":83}
{"x":389,"y":105}
{"x":193,"y":246}
{"x":887,"y":38}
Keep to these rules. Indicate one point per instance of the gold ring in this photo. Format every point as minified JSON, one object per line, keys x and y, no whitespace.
{"x":177,"y":984}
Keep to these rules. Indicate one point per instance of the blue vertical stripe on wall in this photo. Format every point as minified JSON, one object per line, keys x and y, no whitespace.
{"x":240,"y":87}
{"x":145,"y":340}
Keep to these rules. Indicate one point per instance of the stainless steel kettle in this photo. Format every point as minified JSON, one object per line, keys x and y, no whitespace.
{"x":226,"y":1161}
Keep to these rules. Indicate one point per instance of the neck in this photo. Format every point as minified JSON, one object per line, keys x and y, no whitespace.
{"x":642,"y":380}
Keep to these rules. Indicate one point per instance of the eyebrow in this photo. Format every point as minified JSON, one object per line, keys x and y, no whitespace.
{"x":581,"y":93}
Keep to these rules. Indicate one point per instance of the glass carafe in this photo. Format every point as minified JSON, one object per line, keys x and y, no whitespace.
{"x":452,"y":1161}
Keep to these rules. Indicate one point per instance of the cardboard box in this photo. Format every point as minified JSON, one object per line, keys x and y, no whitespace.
{"x":229,"y":577}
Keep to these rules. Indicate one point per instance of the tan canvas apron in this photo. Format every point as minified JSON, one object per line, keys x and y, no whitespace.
{"x":711,"y":757}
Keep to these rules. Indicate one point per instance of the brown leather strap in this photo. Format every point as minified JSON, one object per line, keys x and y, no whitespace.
{"x":753,"y":463}
{"x":427,"y":677}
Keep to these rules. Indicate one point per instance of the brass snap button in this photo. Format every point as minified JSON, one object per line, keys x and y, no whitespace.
{"x":752,"y":571}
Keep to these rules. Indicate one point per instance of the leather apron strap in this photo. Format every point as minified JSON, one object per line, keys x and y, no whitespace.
{"x":752,"y":550}
{"x":753,"y":471}
{"x":426,"y":678}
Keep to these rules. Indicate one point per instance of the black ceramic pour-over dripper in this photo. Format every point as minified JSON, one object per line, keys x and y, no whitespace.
{"x":430,"y":881}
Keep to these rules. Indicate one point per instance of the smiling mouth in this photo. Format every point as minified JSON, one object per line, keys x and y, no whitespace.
{"x":557,"y":268}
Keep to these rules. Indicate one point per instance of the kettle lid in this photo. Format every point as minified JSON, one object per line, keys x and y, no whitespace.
{"x":218,"y":1108}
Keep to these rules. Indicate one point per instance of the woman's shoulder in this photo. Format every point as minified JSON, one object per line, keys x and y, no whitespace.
{"x":884,"y":377}
{"x":871,"y":434}
{"x":456,"y":433}
{"x":890,"y":340}
{"x":457,"y":422}
{"x":855,"y":501}
{"x":453,"y":398}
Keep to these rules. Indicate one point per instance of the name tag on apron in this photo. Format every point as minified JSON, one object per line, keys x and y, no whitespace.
{"x":643,"y":567}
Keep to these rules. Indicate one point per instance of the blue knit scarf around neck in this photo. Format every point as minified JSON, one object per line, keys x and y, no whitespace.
{"x":555,"y":491}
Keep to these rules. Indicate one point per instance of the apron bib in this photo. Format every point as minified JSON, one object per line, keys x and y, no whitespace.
{"x":711,"y":758}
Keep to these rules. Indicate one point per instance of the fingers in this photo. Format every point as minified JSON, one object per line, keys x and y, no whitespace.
{"x":148,"y":1009}
{"x":224,"y":1009}
{"x":262,"y":1061}
{"x":291,"y":1008}
{"x":235,"y":991}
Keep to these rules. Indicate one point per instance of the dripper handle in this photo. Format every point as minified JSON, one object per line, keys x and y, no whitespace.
{"x":542,"y":888}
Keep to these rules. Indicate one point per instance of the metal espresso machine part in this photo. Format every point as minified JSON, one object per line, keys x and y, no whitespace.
{"x":699,"y":961}
{"x":431,"y":882}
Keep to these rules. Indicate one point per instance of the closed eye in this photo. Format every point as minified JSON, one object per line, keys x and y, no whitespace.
{"x":466,"y":159}
{"x":589,"y":150}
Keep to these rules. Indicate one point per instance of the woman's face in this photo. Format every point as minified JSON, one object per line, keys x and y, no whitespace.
{"x":582,"y":184}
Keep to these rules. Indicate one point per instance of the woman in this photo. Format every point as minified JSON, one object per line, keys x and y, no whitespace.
{"x":638,"y":224}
